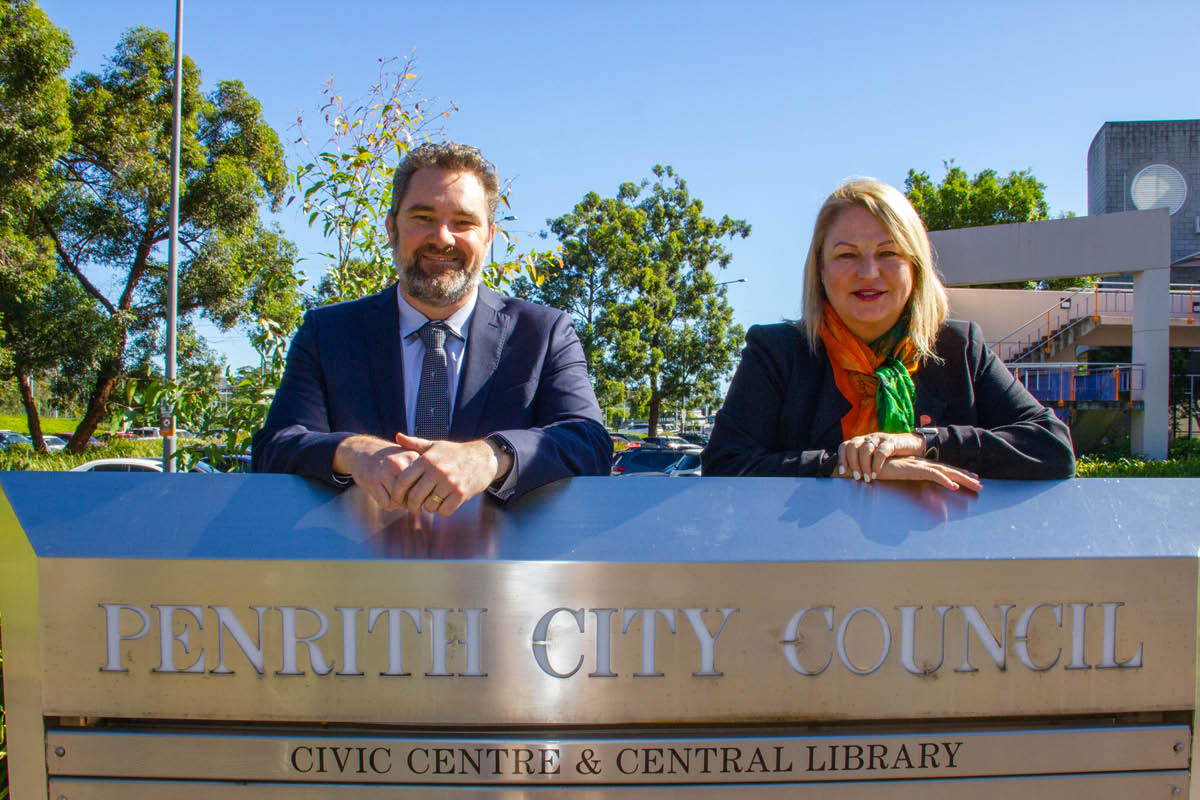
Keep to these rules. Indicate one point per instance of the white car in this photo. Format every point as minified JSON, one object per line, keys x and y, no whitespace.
{"x":54,"y":444}
{"x":132,"y":465}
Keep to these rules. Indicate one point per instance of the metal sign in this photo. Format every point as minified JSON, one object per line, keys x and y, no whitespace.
{"x":785,"y":631}
{"x":460,"y":643}
{"x":649,"y":760}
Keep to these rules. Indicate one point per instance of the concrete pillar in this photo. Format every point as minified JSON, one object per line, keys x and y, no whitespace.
{"x":1152,"y":349}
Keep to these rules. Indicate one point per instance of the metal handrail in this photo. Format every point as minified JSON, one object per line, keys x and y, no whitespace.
{"x":1024,"y":345}
{"x":1035,"y":318}
{"x":1062,"y":382}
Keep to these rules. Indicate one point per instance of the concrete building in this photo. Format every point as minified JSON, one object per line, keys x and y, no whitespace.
{"x":1142,"y":235}
{"x":1133,"y":243}
{"x":1136,"y":166}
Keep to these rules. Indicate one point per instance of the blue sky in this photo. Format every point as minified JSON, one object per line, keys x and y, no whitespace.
{"x":763,"y":107}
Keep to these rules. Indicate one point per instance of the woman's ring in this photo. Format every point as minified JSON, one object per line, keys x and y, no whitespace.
{"x":435,"y":498}
{"x":870,"y":440}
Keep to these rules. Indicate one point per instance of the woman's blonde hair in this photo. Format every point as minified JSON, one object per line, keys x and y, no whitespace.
{"x":927,"y":305}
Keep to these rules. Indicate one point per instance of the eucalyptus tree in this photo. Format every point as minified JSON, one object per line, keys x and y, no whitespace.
{"x":639,"y":276}
{"x":110,"y":216}
{"x":34,"y":131}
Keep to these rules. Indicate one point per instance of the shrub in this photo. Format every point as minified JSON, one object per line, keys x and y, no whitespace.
{"x":1089,"y":467}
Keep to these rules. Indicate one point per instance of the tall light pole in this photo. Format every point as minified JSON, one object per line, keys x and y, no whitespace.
{"x":726,"y":283}
{"x":167,"y":412}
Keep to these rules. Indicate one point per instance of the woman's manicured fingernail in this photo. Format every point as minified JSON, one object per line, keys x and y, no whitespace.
{"x":857,"y":475}
{"x":874,"y":476}
{"x":842,"y":469}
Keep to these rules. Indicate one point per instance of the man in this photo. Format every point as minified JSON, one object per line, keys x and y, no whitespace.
{"x":430,"y":393}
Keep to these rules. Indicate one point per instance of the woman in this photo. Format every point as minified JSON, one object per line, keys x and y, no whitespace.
{"x":874,"y":383}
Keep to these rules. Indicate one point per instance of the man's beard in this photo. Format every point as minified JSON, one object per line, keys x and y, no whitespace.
{"x":444,"y":288}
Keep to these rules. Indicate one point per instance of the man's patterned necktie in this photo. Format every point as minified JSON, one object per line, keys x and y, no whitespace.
{"x":432,"y":419}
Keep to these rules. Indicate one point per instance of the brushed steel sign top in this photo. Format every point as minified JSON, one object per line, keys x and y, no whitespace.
{"x":608,"y":520}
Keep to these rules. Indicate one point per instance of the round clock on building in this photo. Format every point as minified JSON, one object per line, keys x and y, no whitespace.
{"x":1158,"y":186}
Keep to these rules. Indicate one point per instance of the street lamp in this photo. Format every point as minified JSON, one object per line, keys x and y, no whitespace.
{"x":735,"y":280}
{"x":502,"y":219}
{"x":167,"y":409}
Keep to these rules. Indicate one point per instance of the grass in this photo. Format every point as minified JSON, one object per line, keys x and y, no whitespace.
{"x":20,"y":424}
{"x":24,"y":458}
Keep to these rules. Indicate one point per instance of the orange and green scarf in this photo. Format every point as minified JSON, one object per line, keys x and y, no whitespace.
{"x":875,"y":378}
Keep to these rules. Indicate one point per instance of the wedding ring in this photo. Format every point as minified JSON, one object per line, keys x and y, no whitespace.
{"x":435,"y":498}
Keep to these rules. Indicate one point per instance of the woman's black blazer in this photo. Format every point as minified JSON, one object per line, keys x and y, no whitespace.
{"x":783,"y":413}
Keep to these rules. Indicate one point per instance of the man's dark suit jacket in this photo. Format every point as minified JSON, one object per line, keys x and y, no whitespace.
{"x":783,"y":414}
{"x":523,"y":377}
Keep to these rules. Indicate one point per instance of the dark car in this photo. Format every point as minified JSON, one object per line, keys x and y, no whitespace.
{"x":695,"y":438}
{"x":9,"y":438}
{"x":645,"y":460}
{"x":686,"y":467}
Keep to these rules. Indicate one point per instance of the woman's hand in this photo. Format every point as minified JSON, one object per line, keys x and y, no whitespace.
{"x":911,"y":468}
{"x":864,"y":456}
{"x":896,"y":457}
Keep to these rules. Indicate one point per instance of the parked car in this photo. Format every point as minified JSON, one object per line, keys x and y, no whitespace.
{"x":93,"y":441}
{"x":54,"y":444}
{"x":145,"y":433}
{"x":622,"y":442}
{"x":670,"y":442}
{"x":132,"y":465}
{"x":10,"y":438}
{"x":688,"y":466}
{"x":645,"y":460}
{"x":698,"y":439}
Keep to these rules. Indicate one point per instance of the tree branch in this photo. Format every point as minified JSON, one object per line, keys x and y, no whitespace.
{"x":70,"y":264}
{"x":138,"y":268}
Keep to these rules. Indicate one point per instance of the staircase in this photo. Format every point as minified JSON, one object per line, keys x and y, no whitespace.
{"x":1058,"y":340}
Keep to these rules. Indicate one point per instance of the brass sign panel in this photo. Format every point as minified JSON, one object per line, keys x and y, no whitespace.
{"x":537,"y":643}
{"x":650,"y":760}
{"x":1117,"y":786}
